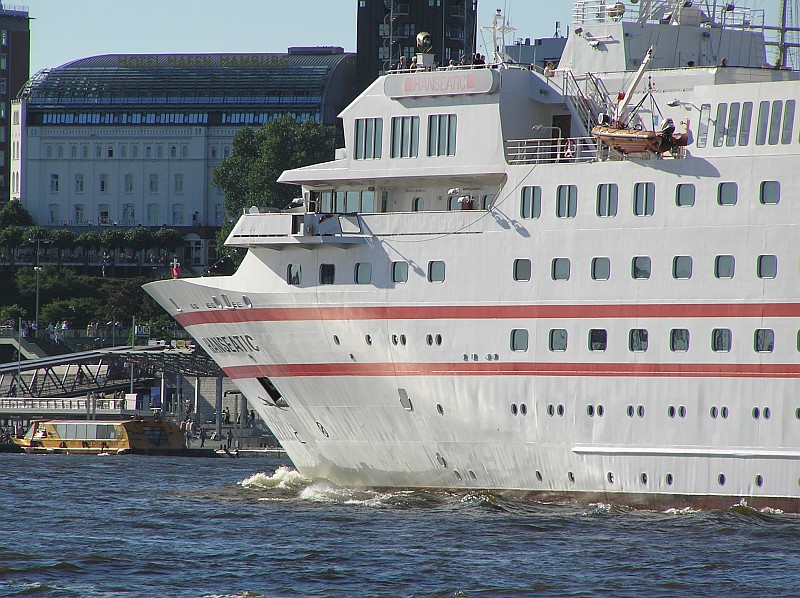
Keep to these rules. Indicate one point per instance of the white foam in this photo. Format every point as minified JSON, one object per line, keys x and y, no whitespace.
{"x":283,"y":478}
{"x":683,"y":511}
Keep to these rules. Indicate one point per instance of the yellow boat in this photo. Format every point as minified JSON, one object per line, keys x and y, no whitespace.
{"x":139,"y":435}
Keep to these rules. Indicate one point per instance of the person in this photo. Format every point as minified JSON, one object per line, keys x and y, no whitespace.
{"x":227,"y":413}
{"x":202,"y":437}
{"x":402,"y":65}
{"x":724,"y":62}
{"x":252,"y":417}
{"x":549,"y":70}
{"x":230,"y":437}
{"x":690,"y":64}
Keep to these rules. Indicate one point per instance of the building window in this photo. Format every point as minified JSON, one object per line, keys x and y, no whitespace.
{"x":55,"y":213}
{"x":103,"y":183}
{"x":558,"y":339}
{"x":184,"y":151}
{"x":73,"y":152}
{"x":767,"y":266}
{"x":327,"y":273}
{"x":294,"y":274}
{"x":123,"y":151}
{"x":98,"y":151}
{"x":134,"y":151}
{"x":519,"y":339}
{"x":128,"y":183}
{"x":153,"y":183}
{"x":679,"y":339}
{"x":102,"y":214}
{"x":764,"y":340}
{"x":637,"y":340}
{"x":727,"y":194}
{"x":173,"y":152}
{"x":607,"y":199}
{"x":400,"y":272}
{"x":153,"y":214}
{"x":53,"y":183}
{"x":363,"y":273}
{"x":442,"y":135}
{"x":178,"y":183}
{"x":770,"y":192}
{"x":640,"y":267}
{"x":128,"y":213}
{"x":78,"y":183}
{"x":405,"y":136}
{"x":682,"y":267}
{"x":110,"y":151}
{"x":644,"y":199}
{"x":724,"y":266}
{"x":369,"y":138}
{"x":560,"y":268}
{"x":79,"y":213}
{"x":598,"y":339}
{"x":684,"y":195}
{"x":601,"y":268}
{"x":531,"y":202}
{"x":159,"y":152}
{"x":178,"y":211}
{"x":566,"y":201}
{"x":522,"y":270}
{"x":721,"y":340}
{"x":436,"y":270}
{"x":148,"y":152}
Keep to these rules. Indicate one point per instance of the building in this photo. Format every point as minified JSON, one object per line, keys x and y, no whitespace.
{"x":387,"y":29}
{"x":15,"y":44}
{"x":538,"y":53}
{"x":127,"y":140}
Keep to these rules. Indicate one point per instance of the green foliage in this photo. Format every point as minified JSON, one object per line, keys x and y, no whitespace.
{"x":113,"y":238}
{"x":138,"y":238}
{"x":36,"y":232}
{"x":54,"y":284}
{"x":78,"y":311}
{"x":89,"y":240}
{"x":12,"y":236}
{"x":125,"y":298}
{"x":62,"y":238}
{"x":168,"y":238}
{"x":12,"y":312}
{"x":14,"y":214}
{"x":248,"y":176}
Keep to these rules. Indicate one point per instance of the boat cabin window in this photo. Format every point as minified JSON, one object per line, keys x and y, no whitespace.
{"x":368,"y":138}
{"x":721,"y":340}
{"x":724,"y":266}
{"x":767,"y":266}
{"x":764,"y":340}
{"x":727,"y":194}
{"x":363,"y":273}
{"x":352,"y":201}
{"x":679,"y":340}
{"x":719,"y":124}
{"x":775,"y":122}
{"x":566,"y":201}
{"x":702,"y":127}
{"x":436,"y":270}
{"x":607,"y":195}
{"x":684,"y":195}
{"x":519,"y":339}
{"x":522,"y":270}
{"x":327,"y":273}
{"x":637,"y":340}
{"x":601,"y":268}
{"x":682,"y":267}
{"x":294,"y":274}
{"x":770,"y":192}
{"x":558,"y":339}
{"x":400,"y":272}
{"x":442,"y":135}
{"x":367,"y":202}
{"x":530,"y":203}
{"x":733,"y":125}
{"x":640,"y":267}
{"x":598,"y":339}
{"x":405,"y":136}
{"x":487,"y":202}
{"x":560,"y":268}
{"x":326,"y":202}
{"x":418,"y":204}
{"x":761,"y":125}
{"x":744,"y":127}
{"x":644,"y":199}
{"x":788,"y":122}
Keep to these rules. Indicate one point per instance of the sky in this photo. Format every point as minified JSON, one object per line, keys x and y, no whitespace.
{"x":63,"y":30}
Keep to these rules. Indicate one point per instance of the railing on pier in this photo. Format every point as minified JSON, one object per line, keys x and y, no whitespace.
{"x":62,"y":406}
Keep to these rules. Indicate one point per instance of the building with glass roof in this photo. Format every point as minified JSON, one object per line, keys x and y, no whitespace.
{"x":131,"y":140}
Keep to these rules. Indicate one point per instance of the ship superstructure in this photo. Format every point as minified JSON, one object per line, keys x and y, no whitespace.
{"x":477,"y":293}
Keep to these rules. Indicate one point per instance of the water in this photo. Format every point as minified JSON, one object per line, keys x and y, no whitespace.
{"x":148,"y":526}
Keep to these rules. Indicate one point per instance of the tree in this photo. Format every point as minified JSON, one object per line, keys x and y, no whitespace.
{"x":62,"y":239}
{"x":249,"y":175}
{"x":125,"y":298}
{"x":78,"y":311}
{"x":14,"y":214}
{"x":168,"y":239}
{"x":139,"y":239}
{"x":113,"y":239}
{"x":12,"y":312}
{"x":88,"y":241}
{"x":11,"y":238}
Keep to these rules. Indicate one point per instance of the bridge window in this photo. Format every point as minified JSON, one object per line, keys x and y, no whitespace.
{"x":719,"y":124}
{"x":369,"y":138}
{"x":744,"y":127}
{"x":788,"y":122}
{"x":405,"y":136}
{"x":733,"y":125}
{"x":442,"y":135}
{"x":761,"y":124}
{"x":702,"y":127}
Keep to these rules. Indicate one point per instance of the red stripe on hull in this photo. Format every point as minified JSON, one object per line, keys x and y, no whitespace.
{"x":657,"y":370}
{"x":492,"y":312}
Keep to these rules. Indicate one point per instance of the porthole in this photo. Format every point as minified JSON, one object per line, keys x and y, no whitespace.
{"x":523,"y":409}
{"x":643,"y":478}
{"x":550,"y":409}
{"x":394,"y":339}
{"x":668,"y":479}
{"x":682,"y":411}
{"x":405,"y":401}
{"x":759,"y":480}
{"x":560,"y":410}
{"x":600,"y":411}
{"x":472,"y":474}
{"x":640,"y":411}
{"x":458,"y":475}
{"x":571,"y":477}
{"x":322,"y":429}
{"x":630,"y":410}
{"x":440,"y":409}
{"x":439,"y":339}
{"x":441,"y":460}
{"x":671,"y":411}
{"x":513,"y":408}
{"x":538,"y":475}
{"x":714,"y":412}
{"x":610,"y":477}
{"x":721,"y":479}
{"x":797,"y":413}
{"x":429,"y":340}
{"x":336,"y":339}
{"x":590,"y":410}
{"x":766,"y":412}
{"x":403,"y":339}
{"x":756,"y":413}
{"x":724,"y":412}
{"x":368,"y":339}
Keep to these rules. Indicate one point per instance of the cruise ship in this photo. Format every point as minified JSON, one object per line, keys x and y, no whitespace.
{"x":574,"y":283}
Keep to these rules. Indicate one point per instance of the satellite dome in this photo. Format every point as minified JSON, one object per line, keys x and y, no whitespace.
{"x":424,"y":41}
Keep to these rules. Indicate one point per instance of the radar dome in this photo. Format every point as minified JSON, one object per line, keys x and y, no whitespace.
{"x":424,"y":41}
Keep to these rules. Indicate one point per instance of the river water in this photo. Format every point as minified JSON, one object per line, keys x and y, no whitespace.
{"x":150,"y":526}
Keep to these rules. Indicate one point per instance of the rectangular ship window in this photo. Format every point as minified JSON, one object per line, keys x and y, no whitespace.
{"x":724,"y":266}
{"x":682,"y":266}
{"x":727,"y":194}
{"x":601,"y":268}
{"x":327,"y":273}
{"x":522,"y":269}
{"x":764,"y":340}
{"x":637,"y":340}
{"x":363,"y":273}
{"x":531,"y":202}
{"x":558,"y":339}
{"x":640,"y":267}
{"x":679,"y":339}
{"x":598,"y":339}
{"x":721,"y":340}
{"x":770,"y":192}
{"x":519,"y":339}
{"x":566,"y":201}
{"x":607,"y":195}
{"x":644,"y":199}
{"x":400,"y":272}
{"x":684,"y":195}
{"x":767,"y":266}
{"x":560,"y":268}
{"x":294,"y":274}
{"x":436,"y":271}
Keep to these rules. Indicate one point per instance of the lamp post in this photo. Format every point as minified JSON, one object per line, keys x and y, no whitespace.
{"x":38,"y":269}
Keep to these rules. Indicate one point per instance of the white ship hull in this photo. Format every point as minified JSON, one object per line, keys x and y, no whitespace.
{"x":508,"y":359}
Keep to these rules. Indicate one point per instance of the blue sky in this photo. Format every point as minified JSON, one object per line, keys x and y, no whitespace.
{"x":63,"y":30}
